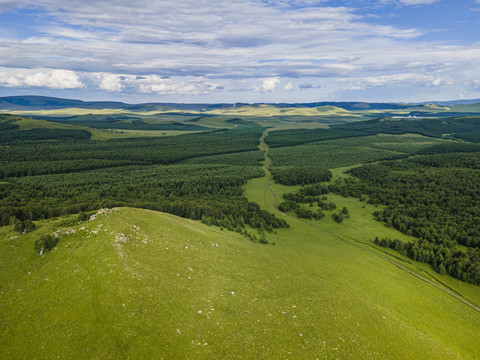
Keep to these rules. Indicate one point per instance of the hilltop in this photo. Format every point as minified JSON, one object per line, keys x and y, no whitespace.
{"x":135,"y":283}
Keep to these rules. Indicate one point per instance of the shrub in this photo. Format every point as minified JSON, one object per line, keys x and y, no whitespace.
{"x":45,"y":243}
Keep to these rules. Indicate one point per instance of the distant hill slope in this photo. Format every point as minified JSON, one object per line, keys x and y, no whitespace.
{"x":52,"y":106}
{"x":47,"y":103}
{"x":456,"y":102}
{"x":44,"y":102}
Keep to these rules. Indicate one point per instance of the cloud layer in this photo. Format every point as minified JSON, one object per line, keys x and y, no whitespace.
{"x":53,"y":79}
{"x":201,"y":48}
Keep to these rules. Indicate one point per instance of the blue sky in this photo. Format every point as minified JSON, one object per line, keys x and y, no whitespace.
{"x":241,"y":51}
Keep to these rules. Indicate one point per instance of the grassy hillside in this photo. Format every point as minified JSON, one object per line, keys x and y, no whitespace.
{"x":270,"y":110}
{"x":139,"y":284}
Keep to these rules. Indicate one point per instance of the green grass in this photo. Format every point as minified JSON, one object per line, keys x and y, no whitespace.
{"x":270,"y":110}
{"x":96,"y":296}
{"x":97,"y":134}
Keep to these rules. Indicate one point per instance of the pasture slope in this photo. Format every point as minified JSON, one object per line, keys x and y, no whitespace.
{"x":139,"y":284}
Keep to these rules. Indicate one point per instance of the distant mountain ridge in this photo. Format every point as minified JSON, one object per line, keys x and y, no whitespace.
{"x":44,"y":102}
{"x":33,"y":102}
{"x":454,"y":102}
{"x":50,"y":103}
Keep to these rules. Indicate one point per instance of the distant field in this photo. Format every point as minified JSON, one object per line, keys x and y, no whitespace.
{"x":269,"y":110}
{"x":99,"y":133}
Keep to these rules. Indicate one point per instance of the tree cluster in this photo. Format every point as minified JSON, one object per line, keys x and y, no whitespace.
{"x":16,"y":135}
{"x":45,"y":243}
{"x":49,"y":179}
{"x":444,"y":259}
{"x":300,"y":175}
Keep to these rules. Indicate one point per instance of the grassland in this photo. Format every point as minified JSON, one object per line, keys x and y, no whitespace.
{"x":270,"y":110}
{"x":136,"y":284}
{"x":245,"y":110}
{"x":98,"y":134}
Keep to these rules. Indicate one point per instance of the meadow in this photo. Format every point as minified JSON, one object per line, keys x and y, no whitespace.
{"x":190,"y":256}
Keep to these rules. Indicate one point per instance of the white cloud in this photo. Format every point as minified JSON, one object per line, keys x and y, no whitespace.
{"x":196,"y":48}
{"x":156,"y":84}
{"x":305,"y":86}
{"x":409,"y":2}
{"x":418,"y":2}
{"x":268,"y":85}
{"x":397,"y":79}
{"x":153,"y":84}
{"x":10,"y":4}
{"x":473,"y":83}
{"x":111,"y":82}
{"x":53,"y":79}
{"x":289,"y":87}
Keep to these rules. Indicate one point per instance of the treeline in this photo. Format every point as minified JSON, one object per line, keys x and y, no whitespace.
{"x":129,"y":124}
{"x":471,"y":136}
{"x":331,"y":154}
{"x":312,"y":195}
{"x":192,"y":191}
{"x":17,"y":135}
{"x":283,"y":138}
{"x":465,"y":128}
{"x":433,"y":127}
{"x":301,"y":212}
{"x":309,"y":195}
{"x":6,"y":125}
{"x":433,"y":197}
{"x":31,"y":168}
{"x":9,"y":118}
{"x":123,"y":122}
{"x":45,"y":179}
{"x":244,"y":158}
{"x":450,"y":147}
{"x":36,"y":158}
{"x":300,"y":175}
{"x":444,"y":259}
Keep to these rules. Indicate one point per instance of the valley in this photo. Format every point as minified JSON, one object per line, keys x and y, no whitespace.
{"x":190,"y":256}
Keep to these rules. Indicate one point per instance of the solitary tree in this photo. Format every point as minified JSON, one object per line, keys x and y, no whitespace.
{"x":45,"y":243}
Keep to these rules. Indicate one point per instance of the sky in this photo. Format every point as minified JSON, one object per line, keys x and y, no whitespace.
{"x":206,"y":51}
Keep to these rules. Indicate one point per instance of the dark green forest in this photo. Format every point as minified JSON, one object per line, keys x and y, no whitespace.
{"x":465,"y":128}
{"x":198,"y":176}
{"x":435,"y":198}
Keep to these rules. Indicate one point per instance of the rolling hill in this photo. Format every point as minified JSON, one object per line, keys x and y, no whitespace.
{"x":139,"y":284}
{"x":57,"y":106}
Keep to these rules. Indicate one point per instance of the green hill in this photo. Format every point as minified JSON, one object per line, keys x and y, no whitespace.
{"x":136,"y":284}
